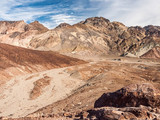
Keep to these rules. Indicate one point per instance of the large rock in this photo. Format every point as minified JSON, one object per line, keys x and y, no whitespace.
{"x":131,"y":96}
{"x":136,"y":101}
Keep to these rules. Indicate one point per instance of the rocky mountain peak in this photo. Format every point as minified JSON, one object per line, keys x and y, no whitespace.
{"x":62,"y":25}
{"x":38,"y":26}
{"x":7,"y":27}
{"x":11,"y":22}
{"x":153,"y":31}
{"x":96,"y":21}
{"x":35,"y":22}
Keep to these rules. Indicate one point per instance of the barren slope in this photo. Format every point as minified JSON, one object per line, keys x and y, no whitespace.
{"x":16,"y":61}
{"x":31,"y":79}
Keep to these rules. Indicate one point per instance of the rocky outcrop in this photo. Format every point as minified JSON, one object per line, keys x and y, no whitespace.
{"x":131,"y":96}
{"x":153,"y":53}
{"x":136,"y":101}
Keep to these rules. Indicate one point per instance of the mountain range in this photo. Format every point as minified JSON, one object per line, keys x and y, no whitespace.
{"x":94,"y":36}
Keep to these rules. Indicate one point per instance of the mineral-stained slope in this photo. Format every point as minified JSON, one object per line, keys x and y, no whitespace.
{"x":16,"y":61}
{"x":97,"y":36}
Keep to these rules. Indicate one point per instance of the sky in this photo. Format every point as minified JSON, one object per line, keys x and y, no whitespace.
{"x":53,"y":12}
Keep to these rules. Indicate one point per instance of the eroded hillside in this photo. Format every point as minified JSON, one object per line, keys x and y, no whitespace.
{"x":19,"y":33}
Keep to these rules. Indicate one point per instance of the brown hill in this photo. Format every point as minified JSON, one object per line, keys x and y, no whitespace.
{"x":153,"y":53}
{"x":17,"y":61}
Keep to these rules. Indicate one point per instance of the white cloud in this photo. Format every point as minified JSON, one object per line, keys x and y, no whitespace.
{"x":130,"y":12}
{"x":63,"y":18}
{"x":10,"y":11}
{"x":57,"y":19}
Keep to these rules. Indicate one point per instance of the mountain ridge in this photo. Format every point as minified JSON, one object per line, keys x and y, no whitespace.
{"x":101,"y":36}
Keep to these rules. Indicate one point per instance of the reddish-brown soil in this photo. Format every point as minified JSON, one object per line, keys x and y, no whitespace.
{"x":11,"y":55}
{"x":16,"y":61}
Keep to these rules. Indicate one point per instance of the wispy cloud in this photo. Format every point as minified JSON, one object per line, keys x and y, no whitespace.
{"x":55,"y":20}
{"x":46,"y":11}
{"x":61,"y":18}
{"x":131,"y":12}
{"x":11,"y":11}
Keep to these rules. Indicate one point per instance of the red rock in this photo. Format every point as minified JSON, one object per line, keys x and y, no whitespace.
{"x":131,"y":96}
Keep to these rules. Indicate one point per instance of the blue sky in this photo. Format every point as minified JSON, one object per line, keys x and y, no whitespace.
{"x":53,"y":12}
